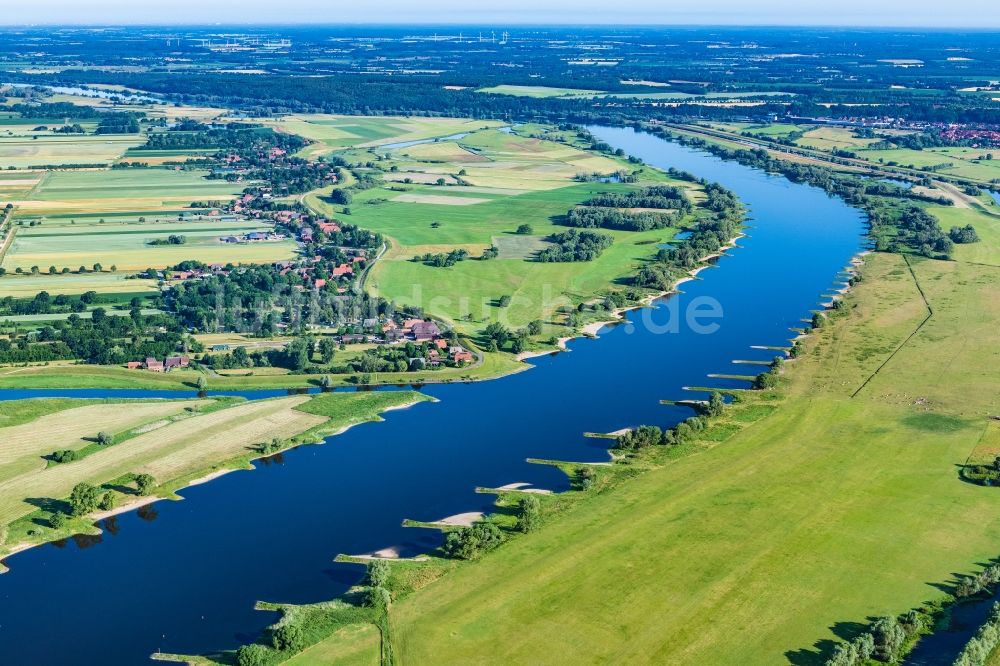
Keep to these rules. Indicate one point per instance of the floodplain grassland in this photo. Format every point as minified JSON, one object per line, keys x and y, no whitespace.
{"x":175,"y":441}
{"x":528,"y":176}
{"x":850,"y":464}
{"x":331,"y":132}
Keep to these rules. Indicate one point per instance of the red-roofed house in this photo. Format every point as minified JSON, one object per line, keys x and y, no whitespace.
{"x":342,"y":269}
{"x":328,"y":227}
{"x":153,"y":365}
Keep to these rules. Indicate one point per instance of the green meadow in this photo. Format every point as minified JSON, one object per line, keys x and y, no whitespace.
{"x":796,"y":518}
{"x":511,"y":179}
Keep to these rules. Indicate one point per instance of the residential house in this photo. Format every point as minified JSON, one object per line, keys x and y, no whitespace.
{"x":175,"y":362}
{"x":153,"y":365}
{"x":425,"y":331}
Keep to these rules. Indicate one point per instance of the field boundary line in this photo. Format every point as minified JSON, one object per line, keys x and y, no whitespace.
{"x":930,"y":313}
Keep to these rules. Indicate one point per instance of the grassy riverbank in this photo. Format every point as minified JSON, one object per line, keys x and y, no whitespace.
{"x":176,"y":442}
{"x":798,"y":515}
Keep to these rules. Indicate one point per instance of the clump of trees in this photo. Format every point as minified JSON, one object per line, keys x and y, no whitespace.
{"x":575,"y":245}
{"x":966,"y":234}
{"x":469,"y":543}
{"x":172,"y":239}
{"x":84,"y":499}
{"x":444,"y":259}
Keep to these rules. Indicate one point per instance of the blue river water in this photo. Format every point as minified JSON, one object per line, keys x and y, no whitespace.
{"x":184,"y":576}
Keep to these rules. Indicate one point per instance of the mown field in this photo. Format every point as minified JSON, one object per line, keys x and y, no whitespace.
{"x":174,"y":441}
{"x":841,"y":504}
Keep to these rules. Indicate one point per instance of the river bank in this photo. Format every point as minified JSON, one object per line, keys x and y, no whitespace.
{"x":211,"y":469}
{"x":282,"y":526}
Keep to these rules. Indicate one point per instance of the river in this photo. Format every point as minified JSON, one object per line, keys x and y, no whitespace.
{"x":184,"y":576}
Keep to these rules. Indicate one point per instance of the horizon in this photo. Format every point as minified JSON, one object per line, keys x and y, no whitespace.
{"x":961,"y":14}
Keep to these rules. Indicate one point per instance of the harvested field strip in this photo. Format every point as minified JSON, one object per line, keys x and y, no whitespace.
{"x":180,"y":448}
{"x":66,"y":429}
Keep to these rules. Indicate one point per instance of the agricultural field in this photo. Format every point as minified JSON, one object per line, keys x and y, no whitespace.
{"x":174,"y":441}
{"x":698,"y":564}
{"x":338,"y":132}
{"x":510,"y":179}
{"x":26,"y":286}
{"x":833,"y":138}
{"x":127,"y":246}
{"x":962,"y":162}
{"x":61,"y":149}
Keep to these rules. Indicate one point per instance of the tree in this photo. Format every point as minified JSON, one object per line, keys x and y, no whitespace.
{"x":327,"y":347}
{"x":98,"y":268}
{"x":505,"y":301}
{"x":888,"y":638}
{"x":252,"y":655}
{"x":377,"y":574}
{"x":341,"y":197}
{"x":288,"y":638}
{"x":716,"y":405}
{"x":378,"y":598}
{"x":525,"y":229}
{"x":107,"y":502}
{"x":84,"y":499}
{"x":528,"y":512}
{"x":325,"y":381}
{"x":535,"y":327}
{"x":144,"y":483}
{"x":57,"y":520}
{"x":202,"y":383}
{"x":104,"y":438}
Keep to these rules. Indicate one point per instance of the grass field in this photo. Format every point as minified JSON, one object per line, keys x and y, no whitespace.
{"x":987,"y":226}
{"x":785,"y":537}
{"x":513,"y":179}
{"x":961,"y":162}
{"x":337,"y":132}
{"x":174,"y":441}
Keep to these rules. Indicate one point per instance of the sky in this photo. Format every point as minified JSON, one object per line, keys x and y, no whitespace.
{"x":924,"y":13}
